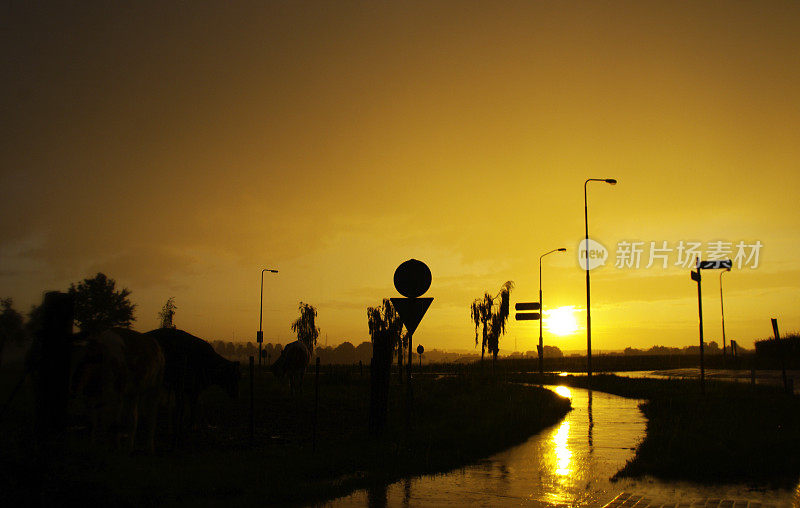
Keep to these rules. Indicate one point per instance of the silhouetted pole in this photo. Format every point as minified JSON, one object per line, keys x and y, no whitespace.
{"x":380,"y":368}
{"x":722,"y":311}
{"x":610,"y":181}
{"x":700,"y":312}
{"x":316,"y":406}
{"x":779,"y":345}
{"x":260,"y":334}
{"x":409,"y":388}
{"x":541,"y":307}
{"x":252,"y":405}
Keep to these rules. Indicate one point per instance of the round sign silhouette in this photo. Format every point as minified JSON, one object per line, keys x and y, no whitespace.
{"x":420,"y":349}
{"x":412,"y":278}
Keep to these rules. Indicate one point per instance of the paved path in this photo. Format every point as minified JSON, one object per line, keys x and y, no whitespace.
{"x":626,"y":499}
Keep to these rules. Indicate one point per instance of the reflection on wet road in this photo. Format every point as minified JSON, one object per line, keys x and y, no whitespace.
{"x":568,"y":464}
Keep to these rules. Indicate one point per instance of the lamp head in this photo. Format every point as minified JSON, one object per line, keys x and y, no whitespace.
{"x":562,"y":249}
{"x":611,"y":181}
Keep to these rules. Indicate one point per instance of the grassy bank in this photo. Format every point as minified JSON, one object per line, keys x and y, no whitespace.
{"x":734,"y":433}
{"x":456,"y":421}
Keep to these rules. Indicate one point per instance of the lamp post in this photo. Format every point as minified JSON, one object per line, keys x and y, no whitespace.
{"x":610,"y":181}
{"x":541,"y":309}
{"x":260,"y":334}
{"x":722,"y":311}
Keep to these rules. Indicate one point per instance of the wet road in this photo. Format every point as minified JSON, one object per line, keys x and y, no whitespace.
{"x":569,"y":464}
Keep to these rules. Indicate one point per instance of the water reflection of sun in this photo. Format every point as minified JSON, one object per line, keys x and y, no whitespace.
{"x":563,"y":391}
{"x":562,"y":453}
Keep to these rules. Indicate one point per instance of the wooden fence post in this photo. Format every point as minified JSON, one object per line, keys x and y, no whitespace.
{"x":252,"y":408}
{"x":316,"y":406}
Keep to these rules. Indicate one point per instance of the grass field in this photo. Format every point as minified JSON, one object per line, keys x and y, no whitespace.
{"x":456,"y":421}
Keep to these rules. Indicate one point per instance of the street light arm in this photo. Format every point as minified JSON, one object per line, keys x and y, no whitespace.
{"x":261,"y":306}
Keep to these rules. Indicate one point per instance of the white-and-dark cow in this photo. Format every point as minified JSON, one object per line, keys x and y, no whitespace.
{"x":292,"y":363}
{"x":119,"y":374}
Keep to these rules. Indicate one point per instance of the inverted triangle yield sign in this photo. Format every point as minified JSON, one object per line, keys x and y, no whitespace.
{"x":411,"y":310}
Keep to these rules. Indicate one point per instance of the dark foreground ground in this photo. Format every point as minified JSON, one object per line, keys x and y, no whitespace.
{"x":734,"y":434}
{"x":456,"y":421}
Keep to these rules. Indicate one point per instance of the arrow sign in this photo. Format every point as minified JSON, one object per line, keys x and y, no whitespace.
{"x":695,"y":276}
{"x":527,"y":306}
{"x":714,"y":265}
{"x":411,"y":310}
{"x":527,"y":316}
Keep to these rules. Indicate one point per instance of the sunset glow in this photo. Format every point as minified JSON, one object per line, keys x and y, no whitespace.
{"x":333,"y":144}
{"x":561,"y":321}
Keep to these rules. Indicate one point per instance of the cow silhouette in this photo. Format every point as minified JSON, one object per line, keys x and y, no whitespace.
{"x":191,"y":366}
{"x":292,"y":363}
{"x":120,"y":374}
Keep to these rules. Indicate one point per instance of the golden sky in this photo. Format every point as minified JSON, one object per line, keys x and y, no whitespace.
{"x":180,"y":147}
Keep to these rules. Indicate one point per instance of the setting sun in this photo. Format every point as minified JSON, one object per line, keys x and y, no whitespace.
{"x":561,"y":321}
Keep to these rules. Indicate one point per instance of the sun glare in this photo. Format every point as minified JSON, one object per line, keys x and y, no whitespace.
{"x":563,"y":391}
{"x":561,"y":321}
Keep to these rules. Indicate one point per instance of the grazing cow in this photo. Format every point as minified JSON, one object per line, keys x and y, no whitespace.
{"x":292,"y":363}
{"x":192,"y":365}
{"x":120,"y":374}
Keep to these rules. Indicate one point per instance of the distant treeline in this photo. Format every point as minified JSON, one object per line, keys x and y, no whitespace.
{"x":347,"y":353}
{"x":711,"y":348}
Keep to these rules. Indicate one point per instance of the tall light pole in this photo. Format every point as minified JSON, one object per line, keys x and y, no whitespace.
{"x":610,"y":181}
{"x":722,"y":311}
{"x":541,"y":309}
{"x":260,"y":334}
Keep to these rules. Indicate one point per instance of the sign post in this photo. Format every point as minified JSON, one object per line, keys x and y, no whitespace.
{"x":695,"y":276}
{"x":411,"y":279}
{"x":532,"y":316}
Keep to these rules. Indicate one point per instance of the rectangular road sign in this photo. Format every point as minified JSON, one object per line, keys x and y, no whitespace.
{"x":527,"y":306}
{"x":259,"y":336}
{"x":527,"y":316}
{"x":715,"y":265}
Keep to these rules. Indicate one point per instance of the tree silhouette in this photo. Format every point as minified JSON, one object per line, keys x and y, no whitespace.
{"x":385,"y":318}
{"x":304,"y":326}
{"x":99,"y":306}
{"x":167,"y":313}
{"x":11,"y":329}
{"x":492,"y":317}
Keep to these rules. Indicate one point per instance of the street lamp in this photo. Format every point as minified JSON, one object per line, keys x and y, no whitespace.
{"x":610,"y":181}
{"x":541,"y":309}
{"x":722,"y":310}
{"x":260,"y":334}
